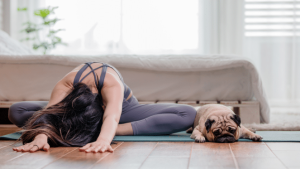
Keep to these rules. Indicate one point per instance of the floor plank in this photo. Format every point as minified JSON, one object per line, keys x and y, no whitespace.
{"x":211,"y":155}
{"x":287,"y":152}
{"x":38,"y":159}
{"x":78,"y":159}
{"x":289,"y":158}
{"x":176,"y":149}
{"x":7,"y":153}
{"x":255,"y":155}
{"x":169,"y":155}
{"x":5,"y":143}
{"x":165,"y":162}
{"x":284,"y":146}
{"x":250,"y":149}
{"x":259,"y":163}
{"x":248,"y":145}
{"x":129,"y":155}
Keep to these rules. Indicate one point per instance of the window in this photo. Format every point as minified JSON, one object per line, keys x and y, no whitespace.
{"x":272,"y":17}
{"x":127,"y":26}
{"x":272,"y":29}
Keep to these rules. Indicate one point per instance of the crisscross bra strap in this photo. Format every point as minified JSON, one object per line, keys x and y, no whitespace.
{"x":101,"y":80}
{"x":79,"y":73}
{"x":92,"y":70}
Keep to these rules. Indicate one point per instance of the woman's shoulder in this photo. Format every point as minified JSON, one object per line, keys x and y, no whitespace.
{"x":68,"y":79}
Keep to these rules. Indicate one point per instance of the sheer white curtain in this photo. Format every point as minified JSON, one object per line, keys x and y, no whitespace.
{"x":267,"y":33}
{"x":272,"y":42}
{"x":221,"y":26}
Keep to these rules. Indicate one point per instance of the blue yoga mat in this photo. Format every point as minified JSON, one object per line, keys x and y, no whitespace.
{"x":268,"y":136}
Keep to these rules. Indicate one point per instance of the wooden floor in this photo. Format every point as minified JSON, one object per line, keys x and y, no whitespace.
{"x":157,"y":155}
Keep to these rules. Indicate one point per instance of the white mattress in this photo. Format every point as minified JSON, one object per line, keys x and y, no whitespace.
{"x":167,"y":77}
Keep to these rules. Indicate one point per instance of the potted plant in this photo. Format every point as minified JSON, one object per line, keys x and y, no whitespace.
{"x":34,"y":30}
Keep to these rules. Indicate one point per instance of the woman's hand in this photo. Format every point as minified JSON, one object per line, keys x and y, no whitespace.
{"x":39,"y":143}
{"x":97,"y":146}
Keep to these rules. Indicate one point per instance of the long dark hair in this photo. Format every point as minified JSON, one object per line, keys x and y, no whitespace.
{"x":75,"y":121}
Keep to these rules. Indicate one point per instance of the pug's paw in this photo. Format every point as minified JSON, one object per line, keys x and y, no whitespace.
{"x":197,"y":135}
{"x":255,"y":137}
{"x":200,"y":139}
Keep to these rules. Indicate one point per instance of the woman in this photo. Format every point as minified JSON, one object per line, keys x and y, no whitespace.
{"x":88,"y":107}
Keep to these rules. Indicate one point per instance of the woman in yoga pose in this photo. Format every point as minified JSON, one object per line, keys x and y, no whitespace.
{"x":91,"y":110}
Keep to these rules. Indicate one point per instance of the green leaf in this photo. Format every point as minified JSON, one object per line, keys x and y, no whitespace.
{"x":30,"y":30}
{"x":27,"y":39}
{"x":55,"y":31}
{"x":56,"y":39}
{"x":53,"y":8}
{"x":29,"y":23}
{"x":42,"y":13}
{"x":22,"y":9}
{"x":35,"y":46}
{"x":51,"y":22}
{"x":44,"y":45}
{"x":30,"y":27}
{"x":50,"y":40}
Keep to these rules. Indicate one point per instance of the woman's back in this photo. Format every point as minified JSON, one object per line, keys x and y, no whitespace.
{"x":111,"y":76}
{"x":96,"y":75}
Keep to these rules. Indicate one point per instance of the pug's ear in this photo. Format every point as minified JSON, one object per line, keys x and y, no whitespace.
{"x":236,"y":119}
{"x":208,"y":124}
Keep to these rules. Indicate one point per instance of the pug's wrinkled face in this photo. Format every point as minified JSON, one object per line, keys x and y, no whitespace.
{"x":222,"y":126}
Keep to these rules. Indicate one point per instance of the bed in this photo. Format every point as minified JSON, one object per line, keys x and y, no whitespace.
{"x":181,"y":79}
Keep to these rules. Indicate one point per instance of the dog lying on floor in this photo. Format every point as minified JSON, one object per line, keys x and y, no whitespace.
{"x":218,"y":123}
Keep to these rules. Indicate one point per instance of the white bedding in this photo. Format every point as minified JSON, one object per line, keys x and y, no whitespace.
{"x":168,"y":77}
{"x":10,"y":46}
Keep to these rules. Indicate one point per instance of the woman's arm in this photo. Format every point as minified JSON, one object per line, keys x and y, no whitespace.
{"x":40,"y":142}
{"x":112,"y":93}
{"x":59,"y":92}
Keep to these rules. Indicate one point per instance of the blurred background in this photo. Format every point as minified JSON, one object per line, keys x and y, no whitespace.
{"x":265,"y":31}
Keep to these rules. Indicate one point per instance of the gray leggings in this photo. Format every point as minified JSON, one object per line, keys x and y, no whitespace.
{"x":146,"y":119}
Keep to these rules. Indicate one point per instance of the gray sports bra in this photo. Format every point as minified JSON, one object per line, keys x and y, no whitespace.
{"x":77,"y":79}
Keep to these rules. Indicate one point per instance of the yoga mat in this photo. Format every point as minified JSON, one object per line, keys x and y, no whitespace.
{"x":268,"y":136}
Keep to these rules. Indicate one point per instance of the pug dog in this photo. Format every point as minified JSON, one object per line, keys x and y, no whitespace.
{"x":218,"y":123}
